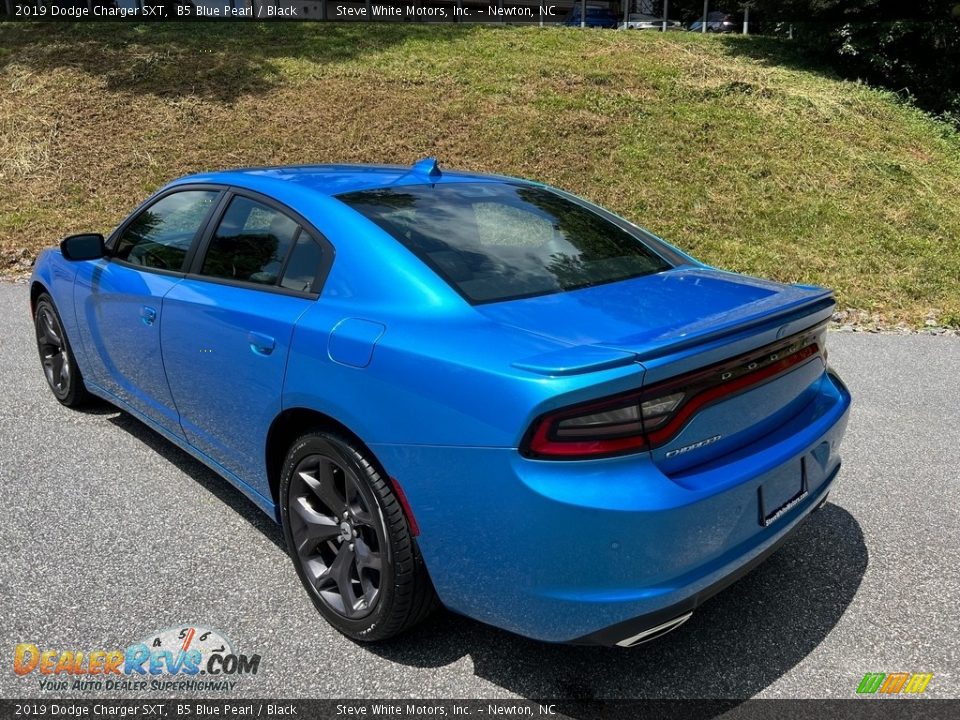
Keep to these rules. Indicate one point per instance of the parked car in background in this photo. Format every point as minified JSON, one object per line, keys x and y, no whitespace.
{"x":456,"y":388}
{"x":598,"y":16}
{"x":640,"y":21}
{"x":717,"y":22}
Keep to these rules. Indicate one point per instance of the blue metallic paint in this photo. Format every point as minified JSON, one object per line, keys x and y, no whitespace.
{"x":226,"y":390}
{"x":122,"y":351}
{"x":442,"y":392}
{"x":572,"y":547}
{"x":352,"y":341}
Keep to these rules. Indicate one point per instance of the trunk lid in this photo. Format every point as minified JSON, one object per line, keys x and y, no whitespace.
{"x":674,"y":323}
{"x":659,"y":314}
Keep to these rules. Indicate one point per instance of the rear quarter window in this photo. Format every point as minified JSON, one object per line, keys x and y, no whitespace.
{"x":250,"y":243}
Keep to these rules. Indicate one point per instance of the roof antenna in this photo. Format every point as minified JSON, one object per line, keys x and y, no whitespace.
{"x":427,"y":166}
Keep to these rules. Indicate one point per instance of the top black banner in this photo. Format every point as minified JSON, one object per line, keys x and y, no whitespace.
{"x":574,"y":13}
{"x":465,"y":11}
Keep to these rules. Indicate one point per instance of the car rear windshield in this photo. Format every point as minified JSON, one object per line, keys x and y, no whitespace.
{"x":500,"y":241}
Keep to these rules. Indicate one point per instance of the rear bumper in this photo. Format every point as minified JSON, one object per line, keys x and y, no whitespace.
{"x":599,"y":551}
{"x":652,"y":625}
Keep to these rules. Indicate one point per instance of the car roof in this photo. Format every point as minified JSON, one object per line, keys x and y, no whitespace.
{"x":336,"y":179}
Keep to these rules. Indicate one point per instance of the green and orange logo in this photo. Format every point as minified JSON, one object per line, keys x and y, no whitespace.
{"x":894,"y":683}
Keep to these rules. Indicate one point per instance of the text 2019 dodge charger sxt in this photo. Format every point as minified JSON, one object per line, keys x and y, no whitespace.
{"x":458,"y":387}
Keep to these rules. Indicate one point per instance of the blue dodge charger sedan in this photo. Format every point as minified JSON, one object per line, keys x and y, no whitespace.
{"x":459,"y":389}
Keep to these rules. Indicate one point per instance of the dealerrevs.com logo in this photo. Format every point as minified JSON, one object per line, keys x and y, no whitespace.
{"x":186,"y":658}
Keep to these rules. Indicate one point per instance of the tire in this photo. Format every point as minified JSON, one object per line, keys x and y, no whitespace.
{"x":56,"y":356}
{"x":350,"y":541}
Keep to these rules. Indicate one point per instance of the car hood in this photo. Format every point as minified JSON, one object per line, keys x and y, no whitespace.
{"x":651,"y":315}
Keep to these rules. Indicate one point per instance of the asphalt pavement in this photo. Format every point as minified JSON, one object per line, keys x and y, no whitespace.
{"x":110,"y":533}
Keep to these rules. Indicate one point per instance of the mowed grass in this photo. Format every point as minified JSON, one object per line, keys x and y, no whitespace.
{"x":731,"y":148}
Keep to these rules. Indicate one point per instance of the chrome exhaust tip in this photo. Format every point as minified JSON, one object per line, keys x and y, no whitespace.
{"x":655,"y":632}
{"x":823,"y":502}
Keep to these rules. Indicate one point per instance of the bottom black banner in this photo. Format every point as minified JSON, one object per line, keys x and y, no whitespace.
{"x":852,"y":709}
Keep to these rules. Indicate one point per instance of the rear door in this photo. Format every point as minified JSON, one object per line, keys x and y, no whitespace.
{"x":228,"y":325}
{"x":119,"y":300}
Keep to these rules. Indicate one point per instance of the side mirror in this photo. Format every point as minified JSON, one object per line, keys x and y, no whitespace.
{"x":88,"y":246}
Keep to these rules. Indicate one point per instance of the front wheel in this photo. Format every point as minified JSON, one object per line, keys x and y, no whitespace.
{"x":56,"y":357}
{"x":350,"y":541}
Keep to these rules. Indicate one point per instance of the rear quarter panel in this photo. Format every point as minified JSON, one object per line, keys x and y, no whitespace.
{"x":434,"y":380}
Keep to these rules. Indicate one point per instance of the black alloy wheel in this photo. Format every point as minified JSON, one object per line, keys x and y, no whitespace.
{"x":56,"y":357}
{"x":350,"y":540}
{"x":338,"y":537}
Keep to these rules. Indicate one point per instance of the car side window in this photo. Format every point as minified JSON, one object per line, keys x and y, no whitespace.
{"x":160,"y":236}
{"x":250,"y":243}
{"x":303,"y":264}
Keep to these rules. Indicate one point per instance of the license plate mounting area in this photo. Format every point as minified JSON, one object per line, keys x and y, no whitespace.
{"x":777,"y":495}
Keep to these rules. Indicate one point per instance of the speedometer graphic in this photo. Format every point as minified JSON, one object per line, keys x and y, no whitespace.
{"x":190,"y":637}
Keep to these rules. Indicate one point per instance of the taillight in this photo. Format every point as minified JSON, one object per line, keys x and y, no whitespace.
{"x":647,"y":418}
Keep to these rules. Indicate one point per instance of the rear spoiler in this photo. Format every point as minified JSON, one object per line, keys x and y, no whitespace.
{"x":793,"y":317}
{"x":576,"y":360}
{"x":580,"y":359}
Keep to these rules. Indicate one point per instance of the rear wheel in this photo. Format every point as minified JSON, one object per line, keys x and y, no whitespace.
{"x":350,"y":541}
{"x":56,"y":357}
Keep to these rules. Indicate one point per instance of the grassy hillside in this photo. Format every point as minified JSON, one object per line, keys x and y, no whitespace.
{"x":729,"y":147}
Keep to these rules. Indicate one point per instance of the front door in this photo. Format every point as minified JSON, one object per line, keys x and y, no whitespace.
{"x":120,"y":300}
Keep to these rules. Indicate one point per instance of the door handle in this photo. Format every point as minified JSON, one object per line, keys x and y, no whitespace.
{"x":147,"y":314}
{"x":261,"y":344}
